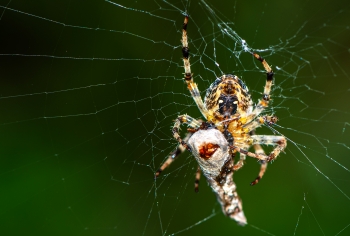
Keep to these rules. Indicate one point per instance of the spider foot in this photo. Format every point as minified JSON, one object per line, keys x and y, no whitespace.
{"x":255,"y":181}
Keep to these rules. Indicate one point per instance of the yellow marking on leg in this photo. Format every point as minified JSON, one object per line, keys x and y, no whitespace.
{"x":268,"y":86}
{"x":263,"y":103}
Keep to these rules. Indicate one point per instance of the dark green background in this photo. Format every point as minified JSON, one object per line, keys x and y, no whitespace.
{"x":89,"y":91}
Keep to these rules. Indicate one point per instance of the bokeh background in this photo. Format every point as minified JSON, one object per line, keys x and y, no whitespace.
{"x":89,"y":91}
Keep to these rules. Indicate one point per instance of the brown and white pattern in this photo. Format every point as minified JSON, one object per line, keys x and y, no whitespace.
{"x":229,"y":127}
{"x":217,"y":167}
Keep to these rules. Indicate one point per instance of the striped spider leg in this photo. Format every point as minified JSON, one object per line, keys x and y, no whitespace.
{"x":172,"y":156}
{"x":279,"y":142}
{"x":194,"y":125}
{"x":260,"y":107}
{"x":268,"y":120}
{"x":263,"y":104}
{"x":192,"y":87}
{"x":258,"y":150}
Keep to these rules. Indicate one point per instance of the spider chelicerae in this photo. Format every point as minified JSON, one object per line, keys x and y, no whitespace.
{"x":231,"y":120}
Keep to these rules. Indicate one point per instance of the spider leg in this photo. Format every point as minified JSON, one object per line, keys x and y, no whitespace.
{"x":194,"y":124}
{"x":240,"y":162}
{"x":260,"y":120}
{"x":259,"y":150}
{"x":269,"y":73}
{"x":182,"y":143}
{"x":279,"y":141}
{"x":261,"y":157}
{"x":266,"y":96}
{"x":262,"y":139}
{"x":172,"y":156}
{"x":192,"y":87}
{"x":190,"y":122}
{"x":196,"y":182}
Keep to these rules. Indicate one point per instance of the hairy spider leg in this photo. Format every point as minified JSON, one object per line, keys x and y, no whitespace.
{"x":172,"y":156}
{"x":268,"y":120}
{"x":264,"y":102}
{"x":279,"y":141}
{"x":258,"y":150}
{"x":261,"y":157}
{"x":240,"y":162}
{"x":192,"y":87}
{"x":250,"y":127}
{"x":259,"y":121}
{"x":183,"y":119}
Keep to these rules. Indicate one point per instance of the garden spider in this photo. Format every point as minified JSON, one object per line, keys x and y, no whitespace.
{"x":231,"y":120}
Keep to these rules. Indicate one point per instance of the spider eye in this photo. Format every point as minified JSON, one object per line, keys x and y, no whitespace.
{"x":207,"y":150}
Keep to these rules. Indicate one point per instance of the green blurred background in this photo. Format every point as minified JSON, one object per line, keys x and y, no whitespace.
{"x":90,"y":89}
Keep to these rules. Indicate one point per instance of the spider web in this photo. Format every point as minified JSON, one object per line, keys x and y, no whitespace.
{"x":90,"y":90}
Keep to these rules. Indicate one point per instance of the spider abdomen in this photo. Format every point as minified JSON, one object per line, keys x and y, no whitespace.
{"x":218,"y":170}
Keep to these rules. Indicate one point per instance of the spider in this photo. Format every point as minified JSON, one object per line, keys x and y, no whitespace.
{"x":229,"y":127}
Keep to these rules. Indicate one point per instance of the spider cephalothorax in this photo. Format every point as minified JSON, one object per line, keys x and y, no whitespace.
{"x":229,"y":127}
{"x":227,"y":97}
